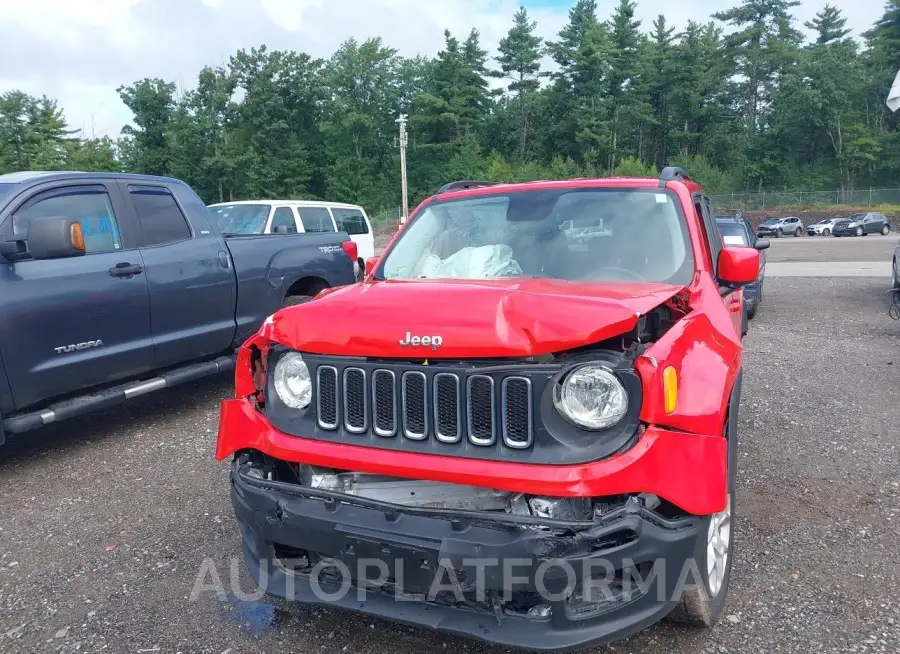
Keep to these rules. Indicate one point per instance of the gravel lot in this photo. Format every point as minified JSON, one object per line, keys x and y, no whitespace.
{"x":106,"y":521}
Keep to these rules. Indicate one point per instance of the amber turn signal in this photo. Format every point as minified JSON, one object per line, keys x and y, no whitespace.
{"x":77,"y":236}
{"x":670,"y":389}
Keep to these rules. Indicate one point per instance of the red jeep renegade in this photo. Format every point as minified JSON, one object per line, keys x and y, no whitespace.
{"x":520,"y":427}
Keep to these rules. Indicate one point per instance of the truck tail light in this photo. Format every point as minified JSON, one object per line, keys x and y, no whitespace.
{"x":351,"y":250}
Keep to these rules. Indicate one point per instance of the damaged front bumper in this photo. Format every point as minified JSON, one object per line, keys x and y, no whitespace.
{"x":512,"y":578}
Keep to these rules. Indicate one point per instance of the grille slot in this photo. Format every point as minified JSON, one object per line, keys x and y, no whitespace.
{"x":327,"y":397}
{"x":415,"y":405}
{"x":480,"y":405}
{"x":446,"y":407}
{"x":355,"y":400}
{"x":515,"y":401}
{"x":384,"y":402}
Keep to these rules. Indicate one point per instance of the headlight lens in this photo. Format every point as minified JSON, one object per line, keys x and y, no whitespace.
{"x":852,"y":225}
{"x":592,"y":397}
{"x":292,"y":381}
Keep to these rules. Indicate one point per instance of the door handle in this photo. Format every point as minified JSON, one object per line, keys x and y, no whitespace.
{"x":126,"y":269}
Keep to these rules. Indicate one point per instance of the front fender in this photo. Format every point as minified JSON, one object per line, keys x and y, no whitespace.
{"x":706,"y":354}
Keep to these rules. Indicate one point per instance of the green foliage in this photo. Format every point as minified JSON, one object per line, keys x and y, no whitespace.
{"x":739,"y":100}
{"x":634,"y":167}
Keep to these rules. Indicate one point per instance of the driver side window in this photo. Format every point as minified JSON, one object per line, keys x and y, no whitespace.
{"x":90,"y":207}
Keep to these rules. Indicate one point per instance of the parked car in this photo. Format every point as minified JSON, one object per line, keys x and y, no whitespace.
{"x":298,"y":217}
{"x":114,"y":285}
{"x":863,"y":224}
{"x":823,"y":227}
{"x":736,"y":232}
{"x":500,"y":403}
{"x":778,"y":227}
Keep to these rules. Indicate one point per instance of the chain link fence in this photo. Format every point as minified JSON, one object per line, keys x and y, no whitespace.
{"x":391,"y":216}
{"x":757,"y":201}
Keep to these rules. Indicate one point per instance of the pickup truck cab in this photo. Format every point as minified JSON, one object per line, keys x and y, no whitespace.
{"x":503,"y":432}
{"x":115,"y":285}
{"x":297,"y":217}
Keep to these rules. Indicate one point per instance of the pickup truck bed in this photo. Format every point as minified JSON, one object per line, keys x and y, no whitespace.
{"x":159,"y":296}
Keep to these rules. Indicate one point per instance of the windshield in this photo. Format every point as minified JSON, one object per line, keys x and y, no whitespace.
{"x":733,"y":233}
{"x":573,"y":235}
{"x":771,"y":221}
{"x":857,"y":216}
{"x":240,"y":218}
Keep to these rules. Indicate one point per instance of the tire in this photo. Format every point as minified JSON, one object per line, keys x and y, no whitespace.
{"x":885,"y":229}
{"x":896,"y":276}
{"x":779,"y":233}
{"x":699,"y":606}
{"x":826,"y":232}
{"x":799,"y":232}
{"x":859,"y":231}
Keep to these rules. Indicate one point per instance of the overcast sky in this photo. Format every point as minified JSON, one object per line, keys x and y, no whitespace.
{"x":79,"y":51}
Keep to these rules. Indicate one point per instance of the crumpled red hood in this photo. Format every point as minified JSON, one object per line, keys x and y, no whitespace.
{"x":473,"y":318}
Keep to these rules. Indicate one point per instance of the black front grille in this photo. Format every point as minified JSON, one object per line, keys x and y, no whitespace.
{"x":447,"y":407}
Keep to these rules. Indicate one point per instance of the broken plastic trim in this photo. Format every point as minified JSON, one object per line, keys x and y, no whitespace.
{"x":631,"y":511}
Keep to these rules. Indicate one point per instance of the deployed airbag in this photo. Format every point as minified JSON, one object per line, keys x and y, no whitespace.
{"x":472,"y":262}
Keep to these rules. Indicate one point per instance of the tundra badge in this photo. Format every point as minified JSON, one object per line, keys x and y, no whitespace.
{"x":62,"y":349}
{"x":434,"y":342}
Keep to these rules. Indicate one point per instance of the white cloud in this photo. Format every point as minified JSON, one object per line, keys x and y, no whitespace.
{"x":79,"y":52}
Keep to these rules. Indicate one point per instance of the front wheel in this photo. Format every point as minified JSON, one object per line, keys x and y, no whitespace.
{"x":885,"y":230}
{"x":798,"y":232}
{"x":859,"y":231}
{"x":779,"y":233}
{"x":825,"y":232}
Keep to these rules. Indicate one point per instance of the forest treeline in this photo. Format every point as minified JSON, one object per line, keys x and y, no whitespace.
{"x":744,"y":99}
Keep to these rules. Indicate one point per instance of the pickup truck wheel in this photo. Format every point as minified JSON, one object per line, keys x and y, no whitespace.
{"x":703,"y":601}
{"x":309,"y":294}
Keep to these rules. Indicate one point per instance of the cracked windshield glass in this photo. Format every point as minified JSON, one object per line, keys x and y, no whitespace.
{"x":591,"y":235}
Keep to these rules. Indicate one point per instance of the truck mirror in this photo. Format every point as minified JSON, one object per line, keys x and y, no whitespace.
{"x":55,"y":237}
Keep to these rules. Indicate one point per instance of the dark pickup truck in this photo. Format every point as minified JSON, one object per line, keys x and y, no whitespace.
{"x":115,"y":285}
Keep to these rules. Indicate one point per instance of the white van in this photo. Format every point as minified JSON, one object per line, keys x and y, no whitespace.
{"x":296,"y":216}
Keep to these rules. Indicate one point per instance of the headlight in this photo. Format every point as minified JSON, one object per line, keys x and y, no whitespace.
{"x":852,"y":225}
{"x":592,"y":397}
{"x":292,"y":381}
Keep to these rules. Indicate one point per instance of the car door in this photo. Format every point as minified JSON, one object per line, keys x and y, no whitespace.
{"x":76,"y":322}
{"x":189,"y":275}
{"x":284,"y":217}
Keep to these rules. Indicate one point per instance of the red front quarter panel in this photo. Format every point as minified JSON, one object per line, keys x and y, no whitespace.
{"x":705,"y":351}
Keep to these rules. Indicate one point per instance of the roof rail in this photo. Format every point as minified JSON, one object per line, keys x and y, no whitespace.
{"x":672,"y":173}
{"x":464,"y":184}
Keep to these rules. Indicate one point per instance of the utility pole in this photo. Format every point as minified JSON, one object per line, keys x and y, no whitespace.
{"x":404,"y":213}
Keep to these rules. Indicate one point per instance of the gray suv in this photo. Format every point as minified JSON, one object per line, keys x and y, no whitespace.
{"x":778,"y":227}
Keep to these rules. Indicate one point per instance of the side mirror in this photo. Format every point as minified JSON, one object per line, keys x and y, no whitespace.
{"x":738,"y":266}
{"x":761,"y":244}
{"x":55,"y":238}
{"x":371,"y":263}
{"x":281,"y":229}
